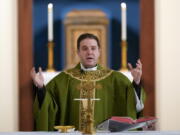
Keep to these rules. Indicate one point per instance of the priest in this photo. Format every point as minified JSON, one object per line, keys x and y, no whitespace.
{"x":55,"y":105}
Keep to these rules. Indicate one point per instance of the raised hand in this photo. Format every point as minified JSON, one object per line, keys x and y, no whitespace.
{"x":37,"y":78}
{"x":136,"y":72}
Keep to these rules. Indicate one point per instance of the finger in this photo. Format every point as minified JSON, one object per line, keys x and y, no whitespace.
{"x":130,"y":66}
{"x":32,"y":71}
{"x":40,"y":70}
{"x":139,"y":62}
{"x":138,"y":66}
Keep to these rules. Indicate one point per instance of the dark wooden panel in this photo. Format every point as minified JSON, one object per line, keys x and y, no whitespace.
{"x":147,"y":53}
{"x":25,"y":64}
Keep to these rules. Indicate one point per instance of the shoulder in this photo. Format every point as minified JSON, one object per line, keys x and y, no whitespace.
{"x":58,"y":79}
{"x":62,"y":74}
{"x":118,"y":76}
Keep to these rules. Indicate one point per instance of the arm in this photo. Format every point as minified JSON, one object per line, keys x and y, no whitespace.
{"x":137,"y":73}
{"x":40,"y":92}
{"x":38,"y":81}
{"x":137,"y":89}
{"x":44,"y":107}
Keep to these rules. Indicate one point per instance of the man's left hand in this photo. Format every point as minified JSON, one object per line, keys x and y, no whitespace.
{"x":136,"y":72}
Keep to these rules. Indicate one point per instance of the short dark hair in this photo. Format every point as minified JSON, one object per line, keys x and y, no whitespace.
{"x":87,"y":35}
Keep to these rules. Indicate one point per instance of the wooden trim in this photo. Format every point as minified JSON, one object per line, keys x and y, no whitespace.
{"x":147,"y":53}
{"x":25,"y":64}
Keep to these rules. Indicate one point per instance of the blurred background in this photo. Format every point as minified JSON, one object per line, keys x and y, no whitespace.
{"x":152,"y":35}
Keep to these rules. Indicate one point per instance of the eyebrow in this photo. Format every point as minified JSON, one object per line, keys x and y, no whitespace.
{"x":90,"y":46}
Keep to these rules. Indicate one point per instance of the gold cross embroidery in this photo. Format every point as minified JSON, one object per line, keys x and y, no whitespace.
{"x":86,"y":115}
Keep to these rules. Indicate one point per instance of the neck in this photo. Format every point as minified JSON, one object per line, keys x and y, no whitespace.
{"x":88,"y":68}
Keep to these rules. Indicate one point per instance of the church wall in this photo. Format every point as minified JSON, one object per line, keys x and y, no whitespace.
{"x":111,"y":8}
{"x":8,"y":66}
{"x":167,"y":64}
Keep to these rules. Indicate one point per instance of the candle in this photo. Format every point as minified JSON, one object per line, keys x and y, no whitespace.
{"x":123,"y":21}
{"x":50,"y":22}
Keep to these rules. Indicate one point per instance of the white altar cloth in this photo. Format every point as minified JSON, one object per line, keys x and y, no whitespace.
{"x":114,"y":133}
{"x":48,"y":76}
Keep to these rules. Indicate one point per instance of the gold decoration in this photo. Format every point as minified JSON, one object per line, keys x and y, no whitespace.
{"x":89,"y":75}
{"x":86,"y":121}
{"x":86,"y":108}
{"x":124,"y":56}
{"x":87,"y":99}
{"x":50,"y":57}
{"x":64,"y":129}
{"x":88,"y":85}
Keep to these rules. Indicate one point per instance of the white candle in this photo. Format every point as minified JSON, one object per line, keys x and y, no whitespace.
{"x":50,"y":22}
{"x":123,"y":21}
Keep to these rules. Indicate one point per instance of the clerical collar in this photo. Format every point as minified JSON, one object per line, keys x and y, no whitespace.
{"x":88,"y":69}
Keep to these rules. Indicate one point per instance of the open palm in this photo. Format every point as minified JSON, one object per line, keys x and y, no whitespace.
{"x":37,"y":78}
{"x":136,"y":72}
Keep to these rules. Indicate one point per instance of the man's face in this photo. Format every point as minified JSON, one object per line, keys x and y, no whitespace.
{"x":88,"y":52}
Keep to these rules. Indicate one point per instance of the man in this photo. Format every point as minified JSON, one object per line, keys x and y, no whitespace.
{"x":55,"y":104}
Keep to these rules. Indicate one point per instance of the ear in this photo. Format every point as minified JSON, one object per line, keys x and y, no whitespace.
{"x":77,"y":51}
{"x":99,"y":51}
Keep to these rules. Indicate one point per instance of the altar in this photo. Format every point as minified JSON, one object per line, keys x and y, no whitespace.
{"x":114,"y":133}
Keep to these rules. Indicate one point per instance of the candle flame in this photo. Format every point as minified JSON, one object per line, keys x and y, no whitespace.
{"x":50,"y":5}
{"x":123,"y":5}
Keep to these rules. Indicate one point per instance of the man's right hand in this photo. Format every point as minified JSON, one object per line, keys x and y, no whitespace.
{"x":37,"y":78}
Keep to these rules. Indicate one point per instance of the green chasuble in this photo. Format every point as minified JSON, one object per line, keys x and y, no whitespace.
{"x":115,"y":91}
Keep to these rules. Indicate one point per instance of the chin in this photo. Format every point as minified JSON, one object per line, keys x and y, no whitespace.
{"x":90,"y":65}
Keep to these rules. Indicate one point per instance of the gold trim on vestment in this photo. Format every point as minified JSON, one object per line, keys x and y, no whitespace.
{"x":89,"y":75}
{"x":86,"y":113}
{"x":87,"y":89}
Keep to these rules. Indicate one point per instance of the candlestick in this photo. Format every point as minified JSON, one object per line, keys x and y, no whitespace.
{"x":124,"y":56}
{"x":123,"y":21}
{"x":123,"y":38}
{"x":50,"y":57}
{"x":50,"y":22}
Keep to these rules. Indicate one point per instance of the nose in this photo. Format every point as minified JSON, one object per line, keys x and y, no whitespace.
{"x":89,"y":51}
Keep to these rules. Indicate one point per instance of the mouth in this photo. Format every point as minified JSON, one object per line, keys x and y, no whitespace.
{"x":89,"y":58}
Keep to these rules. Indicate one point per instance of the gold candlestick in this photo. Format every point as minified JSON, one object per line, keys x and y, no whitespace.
{"x":50,"y":57}
{"x":87,"y":103}
{"x":124,"y":56}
